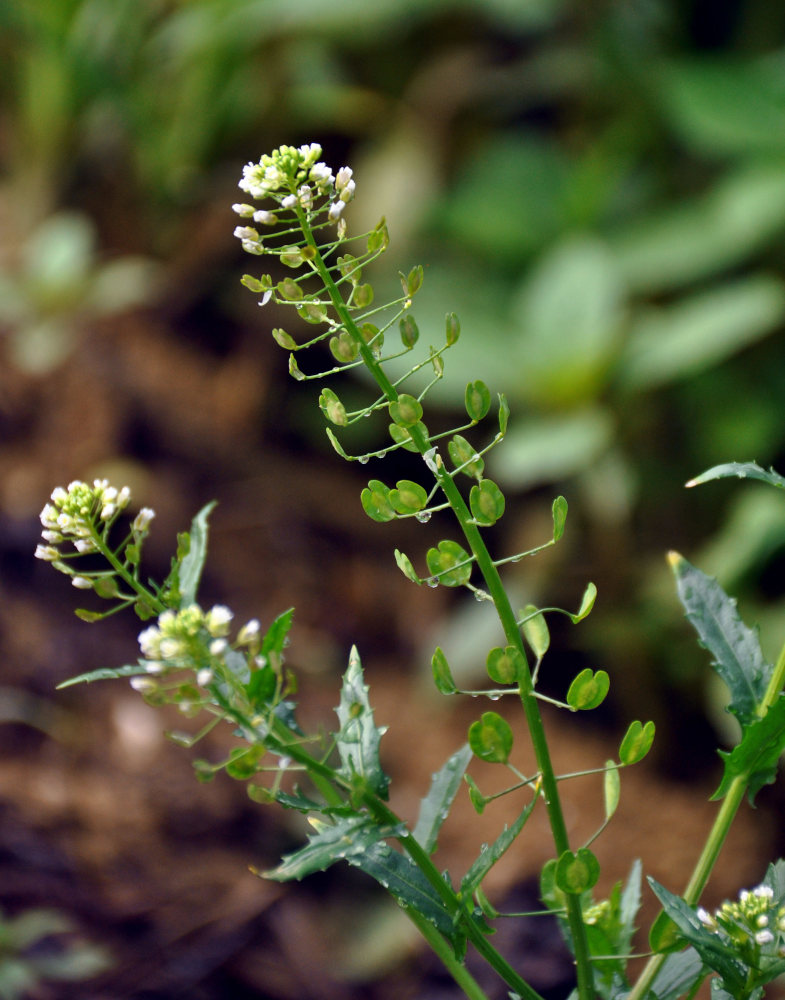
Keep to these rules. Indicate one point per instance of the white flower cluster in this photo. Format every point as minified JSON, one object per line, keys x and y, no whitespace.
{"x":755,"y":922}
{"x":74,"y":512}
{"x":292,"y":176}
{"x":183,"y":638}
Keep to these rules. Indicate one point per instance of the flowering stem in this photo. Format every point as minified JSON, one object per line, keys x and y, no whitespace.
{"x":504,"y":610}
{"x":147,"y":596}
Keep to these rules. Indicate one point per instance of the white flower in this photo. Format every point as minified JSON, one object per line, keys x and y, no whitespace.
{"x":46,"y":552}
{"x":265,"y":218}
{"x":154,"y":667}
{"x":764,"y":937}
{"x":244,"y":211}
{"x":52,"y":536}
{"x":763,"y":892}
{"x":266,"y":297}
{"x":246,"y":233}
{"x":289,"y":201}
{"x":310,"y":153}
{"x":108,"y":510}
{"x":305,"y":196}
{"x":204,"y":677}
{"x":248,"y":632}
{"x":143,"y":684}
{"x":170,"y":648}
{"x":335,"y":209}
{"x":217,"y":621}
{"x":85,"y":545}
{"x":142,"y":520}
{"x":149,"y":641}
{"x":81,"y":582}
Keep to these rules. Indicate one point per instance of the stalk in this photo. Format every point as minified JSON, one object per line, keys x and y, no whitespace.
{"x":504,"y":610}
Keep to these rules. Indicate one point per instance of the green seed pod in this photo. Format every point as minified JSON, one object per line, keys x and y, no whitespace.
{"x":375,"y":499}
{"x":453,"y":325}
{"x":373,"y":337}
{"x":442,"y":676}
{"x":312,"y":312}
{"x":490,"y":738}
{"x":464,"y":457}
{"x":412,"y":282}
{"x":487,"y":502}
{"x":379,"y":238}
{"x":575,"y":873}
{"x":504,"y":414}
{"x":283,"y":339}
{"x":291,"y":256}
{"x":408,"y":497}
{"x":449,"y":563}
{"x":588,"y":690}
{"x":402,"y":436}
{"x":406,"y":411}
{"x":289,"y":290}
{"x":294,"y":369}
{"x":347,"y":265}
{"x":343,"y":348}
{"x":535,"y":630}
{"x":362,"y":296}
{"x":409,"y":332}
{"x":637,"y":742}
{"x":478,"y":399}
{"x":332,"y":407}
{"x":504,"y":666}
{"x":404,"y":564}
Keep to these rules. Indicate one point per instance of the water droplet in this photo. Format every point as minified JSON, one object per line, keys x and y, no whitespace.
{"x":494,"y":697}
{"x":423,"y":516}
{"x":432,"y":581}
{"x":516,"y":558}
{"x":367,"y":413}
{"x":363,"y":459}
{"x":284,"y":762}
{"x":479,"y":596}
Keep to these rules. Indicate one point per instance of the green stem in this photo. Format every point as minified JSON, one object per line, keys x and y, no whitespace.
{"x":142,"y":591}
{"x":717,"y":835}
{"x":506,"y":616}
{"x":444,"y":951}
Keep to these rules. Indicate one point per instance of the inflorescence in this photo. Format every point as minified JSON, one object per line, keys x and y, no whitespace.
{"x":755,"y":925}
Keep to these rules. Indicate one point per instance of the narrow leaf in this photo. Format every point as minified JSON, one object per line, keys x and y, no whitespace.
{"x":735,"y":648}
{"x":436,"y":804}
{"x":105,"y":674}
{"x":276,"y":635}
{"x":489,"y":855}
{"x":337,"y":841}
{"x":359,"y":736}
{"x":559,"y":517}
{"x":739,"y":470}
{"x":587,"y":603}
{"x":192,"y":562}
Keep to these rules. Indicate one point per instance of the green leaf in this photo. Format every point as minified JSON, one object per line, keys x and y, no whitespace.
{"x":436,"y":804}
{"x":449,"y":563}
{"x":756,"y":757}
{"x":576,"y":872}
{"x":105,"y":674}
{"x":404,"y":880}
{"x":408,"y":497}
{"x":739,"y":470}
{"x":489,"y":855}
{"x":679,"y":340}
{"x":559,"y":510}
{"x":358,"y":738}
{"x":504,"y":666}
{"x":192,"y":563}
{"x":636,"y":742}
{"x":476,"y":797}
{"x":442,"y":676}
{"x":406,"y":411}
{"x":339,"y":840}
{"x":465,"y":457}
{"x":677,"y":975}
{"x":588,"y":690}
{"x":487,"y":502}
{"x":715,"y":954}
{"x":735,"y":649}
{"x":490,"y":738}
{"x":587,"y":603}
{"x":276,"y":636}
{"x":477,"y":399}
{"x":611,"y":788}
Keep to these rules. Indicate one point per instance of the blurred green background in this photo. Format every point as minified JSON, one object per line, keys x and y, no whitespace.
{"x":597,"y":189}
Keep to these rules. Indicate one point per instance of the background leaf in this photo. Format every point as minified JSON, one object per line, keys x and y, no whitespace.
{"x":436,"y":804}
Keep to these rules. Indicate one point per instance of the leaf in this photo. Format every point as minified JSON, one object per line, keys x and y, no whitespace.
{"x":275,"y":638}
{"x":739,"y":470}
{"x":338,"y":840}
{"x":403,"y":880}
{"x":735,"y":648}
{"x":756,"y":757}
{"x":359,"y":736}
{"x":708,"y":945}
{"x":671,"y":342}
{"x":490,"y":855}
{"x":490,"y":738}
{"x":436,"y":804}
{"x":677,"y":975}
{"x":105,"y":674}
{"x":192,"y":563}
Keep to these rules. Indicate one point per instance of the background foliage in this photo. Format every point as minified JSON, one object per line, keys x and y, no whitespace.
{"x":597,"y":190}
